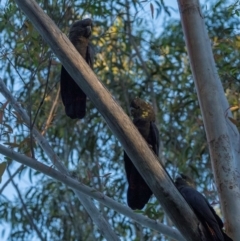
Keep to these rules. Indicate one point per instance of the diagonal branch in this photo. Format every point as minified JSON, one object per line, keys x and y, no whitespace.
{"x":51,"y":113}
{"x":11,"y":178}
{"x":94,"y":213}
{"x":75,"y":184}
{"x":135,"y":146}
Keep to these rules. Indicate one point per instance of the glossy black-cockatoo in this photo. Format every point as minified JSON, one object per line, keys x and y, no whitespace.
{"x":74,"y":99}
{"x":138,"y":192}
{"x":203,"y":210}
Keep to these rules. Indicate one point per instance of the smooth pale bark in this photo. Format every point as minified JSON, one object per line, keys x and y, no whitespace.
{"x":96,"y":216}
{"x":75,"y":184}
{"x":120,"y":124}
{"x":222,"y":134}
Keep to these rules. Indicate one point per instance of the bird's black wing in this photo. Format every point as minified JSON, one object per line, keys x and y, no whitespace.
{"x":138,"y":192}
{"x":226,"y":237}
{"x":220,"y":223}
{"x":153,"y":138}
{"x":90,"y":55}
{"x":218,"y":219}
{"x":202,"y":209}
{"x":73,"y":97}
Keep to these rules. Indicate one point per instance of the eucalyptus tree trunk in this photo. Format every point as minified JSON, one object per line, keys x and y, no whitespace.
{"x":222,"y":134}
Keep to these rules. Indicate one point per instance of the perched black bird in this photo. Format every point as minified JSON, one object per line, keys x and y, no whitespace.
{"x":143,"y":114}
{"x":203,"y":210}
{"x":74,"y":99}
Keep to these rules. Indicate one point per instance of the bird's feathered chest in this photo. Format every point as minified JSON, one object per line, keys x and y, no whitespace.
{"x":143,"y":127}
{"x":81,"y":44}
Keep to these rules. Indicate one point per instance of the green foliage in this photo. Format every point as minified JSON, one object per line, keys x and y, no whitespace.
{"x":133,"y":58}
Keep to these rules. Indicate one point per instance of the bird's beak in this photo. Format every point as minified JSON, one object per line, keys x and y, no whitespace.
{"x":89,"y":30}
{"x":132,"y":110}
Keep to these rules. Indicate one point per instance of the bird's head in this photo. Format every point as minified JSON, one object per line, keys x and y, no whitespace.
{"x":182,"y":179}
{"x":81,"y":28}
{"x":142,"y":109}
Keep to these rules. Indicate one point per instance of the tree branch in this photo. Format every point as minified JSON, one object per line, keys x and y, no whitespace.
{"x":120,"y":124}
{"x":10,"y":178}
{"x":75,"y":184}
{"x":30,"y":218}
{"x":94,"y":213}
{"x":51,"y":113}
{"x":222,"y":134}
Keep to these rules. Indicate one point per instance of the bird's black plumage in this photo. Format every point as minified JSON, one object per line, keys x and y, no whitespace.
{"x":203,"y":210}
{"x":74,"y":99}
{"x":138,"y":192}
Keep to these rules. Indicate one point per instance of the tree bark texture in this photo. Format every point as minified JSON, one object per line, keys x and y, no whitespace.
{"x":222,"y":134}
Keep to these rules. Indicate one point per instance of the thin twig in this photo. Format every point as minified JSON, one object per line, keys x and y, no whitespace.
{"x":30,"y":218}
{"x":51,"y":113}
{"x":11,"y":63}
{"x":44,"y":95}
{"x":30,"y":117}
{"x":10,"y":179}
{"x":40,"y":105}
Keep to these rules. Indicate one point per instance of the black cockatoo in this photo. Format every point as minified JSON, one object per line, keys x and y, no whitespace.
{"x":74,"y":99}
{"x":203,"y":210}
{"x":143,"y":114}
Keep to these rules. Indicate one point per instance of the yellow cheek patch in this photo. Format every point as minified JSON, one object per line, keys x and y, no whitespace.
{"x":145,"y":114}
